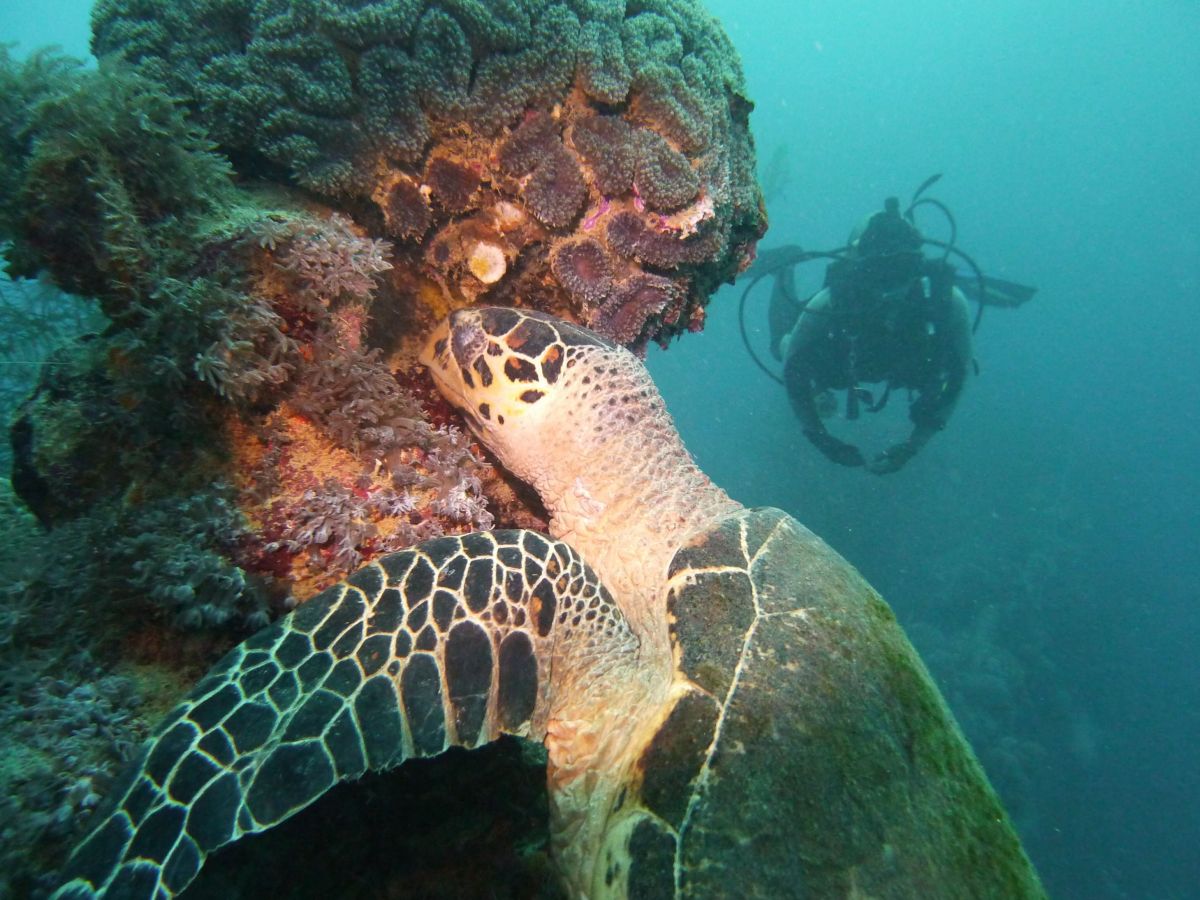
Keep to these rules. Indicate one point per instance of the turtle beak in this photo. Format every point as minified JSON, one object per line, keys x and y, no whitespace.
{"x":439,"y":360}
{"x":434,"y":355}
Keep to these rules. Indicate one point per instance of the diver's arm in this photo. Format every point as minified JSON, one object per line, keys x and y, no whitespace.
{"x":938,"y":396}
{"x":802,"y":394}
{"x":784,"y":308}
{"x":802,"y":388}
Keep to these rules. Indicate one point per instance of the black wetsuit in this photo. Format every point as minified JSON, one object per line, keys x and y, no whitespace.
{"x":916,"y":337}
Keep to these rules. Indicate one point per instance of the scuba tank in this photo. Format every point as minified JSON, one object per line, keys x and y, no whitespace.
{"x":884,"y":250}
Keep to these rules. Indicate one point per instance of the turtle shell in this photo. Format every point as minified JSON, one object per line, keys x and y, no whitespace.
{"x":814,"y":757}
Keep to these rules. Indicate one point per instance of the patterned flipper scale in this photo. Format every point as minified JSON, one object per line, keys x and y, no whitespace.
{"x":451,"y":643}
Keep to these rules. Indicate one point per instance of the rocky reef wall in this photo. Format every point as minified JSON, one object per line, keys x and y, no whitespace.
{"x":270,"y":204}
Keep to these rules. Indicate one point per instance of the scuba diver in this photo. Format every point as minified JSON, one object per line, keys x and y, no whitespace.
{"x":886,"y":314}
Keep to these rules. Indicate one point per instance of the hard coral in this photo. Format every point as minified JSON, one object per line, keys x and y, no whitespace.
{"x":582,"y":267}
{"x":452,"y":184}
{"x":447,"y":115}
{"x":607,"y":147}
{"x":556,"y":190}
{"x":631,"y":236}
{"x":529,"y":144}
{"x":487,"y":262}
{"x":604,"y":73}
{"x":405,"y":207}
{"x":631,"y":309}
{"x":664,"y":177}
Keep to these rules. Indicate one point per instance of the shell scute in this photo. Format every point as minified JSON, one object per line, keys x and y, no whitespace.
{"x":674,"y":758}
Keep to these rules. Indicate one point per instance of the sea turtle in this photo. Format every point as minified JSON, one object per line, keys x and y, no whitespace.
{"x":729,"y":709}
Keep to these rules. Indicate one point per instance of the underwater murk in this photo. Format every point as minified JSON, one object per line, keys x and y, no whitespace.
{"x":229,"y":231}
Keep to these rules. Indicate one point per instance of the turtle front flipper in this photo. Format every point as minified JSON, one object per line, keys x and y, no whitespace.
{"x":452,"y":643}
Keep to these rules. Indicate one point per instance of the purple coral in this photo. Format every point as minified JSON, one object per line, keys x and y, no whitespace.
{"x":351,"y":394}
{"x":328,"y":262}
{"x":630,"y":236}
{"x":556,"y":190}
{"x":606,"y":145}
{"x":529,"y":145}
{"x":625,"y":315}
{"x":252,"y":355}
{"x":664,"y":177}
{"x":582,"y":267}
{"x":456,"y":472}
{"x":406,"y":212}
{"x":340,"y":524}
{"x":552,"y":185}
{"x":453,"y":184}
{"x":334,"y":519}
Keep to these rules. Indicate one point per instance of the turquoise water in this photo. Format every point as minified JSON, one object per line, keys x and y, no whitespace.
{"x":1042,"y":551}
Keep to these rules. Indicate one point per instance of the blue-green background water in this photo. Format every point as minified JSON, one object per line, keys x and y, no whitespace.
{"x":1043,"y":550}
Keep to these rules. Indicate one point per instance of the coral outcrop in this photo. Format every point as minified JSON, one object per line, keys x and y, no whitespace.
{"x":459,"y":125}
{"x":272,"y":205}
{"x":268,"y":205}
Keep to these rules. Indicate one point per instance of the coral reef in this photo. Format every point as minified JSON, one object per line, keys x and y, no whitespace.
{"x":438,"y":122}
{"x":261,"y":208}
{"x":63,"y":734}
{"x":112,"y":180}
{"x":583,"y":269}
{"x":65,"y":725}
{"x":35,"y":320}
{"x":636,"y":299}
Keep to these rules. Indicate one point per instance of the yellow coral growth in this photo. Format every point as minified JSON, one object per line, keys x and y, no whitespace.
{"x":487,"y":262}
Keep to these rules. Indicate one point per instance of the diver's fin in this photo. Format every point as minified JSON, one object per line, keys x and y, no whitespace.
{"x":925,"y":185}
{"x":999,"y":292}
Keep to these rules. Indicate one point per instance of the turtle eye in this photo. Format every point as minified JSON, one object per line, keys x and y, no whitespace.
{"x":482,"y":370}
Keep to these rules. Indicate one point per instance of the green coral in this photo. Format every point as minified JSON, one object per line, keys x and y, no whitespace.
{"x":24,"y":87}
{"x":35,"y":320}
{"x":353,"y":100}
{"x":113,"y":176}
{"x":327,"y":89}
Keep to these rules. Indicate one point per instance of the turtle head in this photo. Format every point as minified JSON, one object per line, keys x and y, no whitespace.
{"x":579,"y":419}
{"x":530,"y":385}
